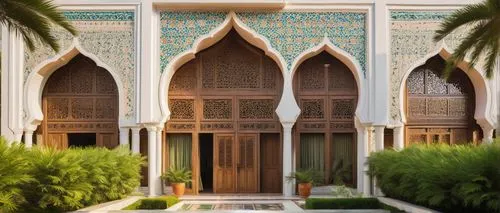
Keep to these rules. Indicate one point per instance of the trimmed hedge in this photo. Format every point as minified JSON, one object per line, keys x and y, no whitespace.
{"x":153,"y":203}
{"x":447,"y":178}
{"x":47,"y":180}
{"x":342,"y":203}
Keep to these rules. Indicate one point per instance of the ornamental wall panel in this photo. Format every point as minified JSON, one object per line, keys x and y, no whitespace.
{"x":109,"y":35}
{"x":411,"y":39}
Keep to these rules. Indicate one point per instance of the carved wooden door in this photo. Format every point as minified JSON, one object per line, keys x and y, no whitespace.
{"x":247,"y":166}
{"x":224,"y":166}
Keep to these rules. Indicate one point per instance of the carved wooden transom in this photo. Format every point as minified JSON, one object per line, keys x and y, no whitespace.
{"x":327,"y":94}
{"x":444,"y":108}
{"x":229,"y":82}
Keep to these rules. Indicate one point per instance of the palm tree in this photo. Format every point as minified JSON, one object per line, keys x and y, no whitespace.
{"x":483,"y":38}
{"x":33,"y":19}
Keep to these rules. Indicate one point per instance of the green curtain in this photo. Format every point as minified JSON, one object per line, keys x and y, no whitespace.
{"x":179,"y":151}
{"x":312,"y":151}
{"x":342,"y":158}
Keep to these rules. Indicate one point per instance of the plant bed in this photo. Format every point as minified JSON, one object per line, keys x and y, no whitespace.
{"x":348,"y":203}
{"x":153,"y":203}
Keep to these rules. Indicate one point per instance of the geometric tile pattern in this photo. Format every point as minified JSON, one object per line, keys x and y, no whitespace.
{"x":290,"y":33}
{"x":241,"y":206}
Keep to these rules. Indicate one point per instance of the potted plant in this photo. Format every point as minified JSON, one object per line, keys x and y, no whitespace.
{"x":305,"y":180}
{"x":177,"y":179}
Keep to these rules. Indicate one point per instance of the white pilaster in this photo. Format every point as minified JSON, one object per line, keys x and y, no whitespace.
{"x":152,"y":176}
{"x":287,"y":158}
{"x":124,"y":135}
{"x":381,"y":69}
{"x":136,"y":140}
{"x":159,"y":154}
{"x":399,"y":138}
{"x":12,"y":86}
{"x":28,"y":138}
{"x":487,"y":134}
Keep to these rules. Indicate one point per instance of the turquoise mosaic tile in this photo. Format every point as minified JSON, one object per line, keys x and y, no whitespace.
{"x":290,"y":33}
{"x":419,"y":15}
{"x":179,"y":30}
{"x":99,"y":15}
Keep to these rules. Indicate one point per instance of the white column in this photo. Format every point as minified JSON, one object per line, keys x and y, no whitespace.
{"x":136,"y":140}
{"x":399,"y":138}
{"x":124,"y":133}
{"x":287,"y":158}
{"x":379,"y":138}
{"x":159,"y":154}
{"x":28,"y":138}
{"x":488,"y":135}
{"x":379,"y":146}
{"x":363,"y":185}
{"x":152,"y":177}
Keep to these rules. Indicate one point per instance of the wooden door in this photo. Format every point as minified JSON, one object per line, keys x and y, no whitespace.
{"x":224,"y":166}
{"x":270,"y":162}
{"x":247,"y":167}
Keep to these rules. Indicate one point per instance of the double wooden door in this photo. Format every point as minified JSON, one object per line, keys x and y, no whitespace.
{"x":236,"y":163}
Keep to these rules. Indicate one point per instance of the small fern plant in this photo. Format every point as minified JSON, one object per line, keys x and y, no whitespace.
{"x":305,"y":176}
{"x":177,"y":175}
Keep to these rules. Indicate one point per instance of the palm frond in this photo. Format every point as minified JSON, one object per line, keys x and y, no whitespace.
{"x":468,"y":14}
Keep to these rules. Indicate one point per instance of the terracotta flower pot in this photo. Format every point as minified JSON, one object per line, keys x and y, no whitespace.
{"x":305,"y":189}
{"x":178,"y":188}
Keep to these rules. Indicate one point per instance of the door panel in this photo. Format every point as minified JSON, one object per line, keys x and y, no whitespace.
{"x":224,"y":167}
{"x":57,"y":141}
{"x":247,"y":168}
{"x":270,"y":163}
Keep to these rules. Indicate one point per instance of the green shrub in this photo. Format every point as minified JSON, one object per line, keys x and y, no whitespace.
{"x":447,"y":178}
{"x":177,"y":175}
{"x":13,"y":173}
{"x":342,"y":203}
{"x":48,"y":180}
{"x":154,"y":203}
{"x":306,"y":176}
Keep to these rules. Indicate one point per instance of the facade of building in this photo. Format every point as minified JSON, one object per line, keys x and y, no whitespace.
{"x":244,"y":92}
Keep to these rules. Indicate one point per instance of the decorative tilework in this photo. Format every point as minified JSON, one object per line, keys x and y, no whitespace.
{"x":419,"y":15}
{"x":411,"y":41}
{"x":179,"y":30}
{"x":290,"y":33}
{"x":111,"y":39}
{"x":99,"y":15}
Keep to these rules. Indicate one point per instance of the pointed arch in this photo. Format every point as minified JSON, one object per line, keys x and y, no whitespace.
{"x":481,"y":89}
{"x":347,"y":59}
{"x":37,"y":79}
{"x":208,"y":40}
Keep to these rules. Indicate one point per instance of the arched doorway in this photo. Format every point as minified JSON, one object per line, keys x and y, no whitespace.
{"x":80,"y":107}
{"x":324,"y":135}
{"x":223,"y":123}
{"x":440,"y":111}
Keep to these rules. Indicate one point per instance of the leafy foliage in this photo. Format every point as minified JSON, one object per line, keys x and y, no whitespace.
{"x":177,"y":175}
{"x":48,"y":180}
{"x":154,"y":203}
{"x":345,"y":192}
{"x":306,"y":176}
{"x":13,"y":174}
{"x":448,"y":178}
{"x":483,"y":38}
{"x":341,"y":172}
{"x":33,"y":20}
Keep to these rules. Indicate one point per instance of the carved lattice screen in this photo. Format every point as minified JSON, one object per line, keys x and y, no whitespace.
{"x":230,"y":86}
{"x":81,"y":97}
{"x":439,"y":110}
